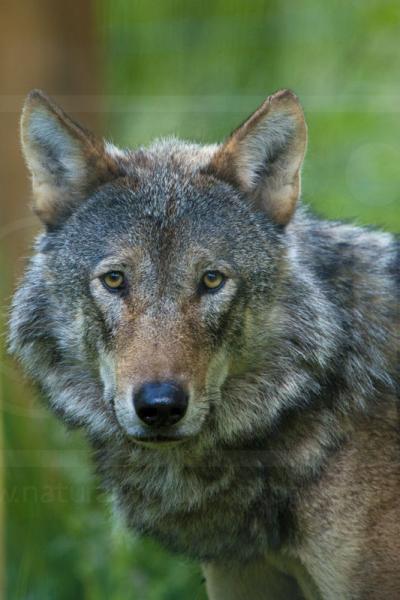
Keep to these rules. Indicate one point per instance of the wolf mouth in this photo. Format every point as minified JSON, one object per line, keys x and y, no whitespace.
{"x":158,"y":439}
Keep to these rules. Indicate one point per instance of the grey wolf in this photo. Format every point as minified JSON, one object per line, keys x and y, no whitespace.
{"x":233,"y":359}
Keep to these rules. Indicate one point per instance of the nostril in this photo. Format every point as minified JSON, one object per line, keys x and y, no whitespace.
{"x":148,"y":413}
{"x":160,"y":404}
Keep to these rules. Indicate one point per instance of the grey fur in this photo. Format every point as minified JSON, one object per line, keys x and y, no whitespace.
{"x":302,"y":345}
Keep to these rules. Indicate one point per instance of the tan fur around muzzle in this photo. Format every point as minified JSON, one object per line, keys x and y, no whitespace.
{"x":159,"y":349}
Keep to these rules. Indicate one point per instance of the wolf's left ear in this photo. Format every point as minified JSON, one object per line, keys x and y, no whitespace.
{"x":263,"y":157}
{"x":65,"y":160}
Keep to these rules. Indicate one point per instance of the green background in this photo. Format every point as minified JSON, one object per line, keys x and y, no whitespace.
{"x":196,"y":70}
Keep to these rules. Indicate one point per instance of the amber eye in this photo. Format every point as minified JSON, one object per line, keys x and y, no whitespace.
{"x":213,"y":280}
{"x":113,"y":281}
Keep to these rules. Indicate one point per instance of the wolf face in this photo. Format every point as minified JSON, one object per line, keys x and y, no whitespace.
{"x":157,"y":280}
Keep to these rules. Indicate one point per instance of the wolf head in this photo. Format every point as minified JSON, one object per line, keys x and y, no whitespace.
{"x":158,"y":296}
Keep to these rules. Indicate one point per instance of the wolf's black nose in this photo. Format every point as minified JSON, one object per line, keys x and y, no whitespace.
{"x":160,"y":404}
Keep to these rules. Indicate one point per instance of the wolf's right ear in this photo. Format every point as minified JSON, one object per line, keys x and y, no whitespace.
{"x":264,"y":155}
{"x":65,"y":160}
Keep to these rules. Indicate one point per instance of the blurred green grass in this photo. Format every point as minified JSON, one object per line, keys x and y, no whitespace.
{"x":196,"y":70}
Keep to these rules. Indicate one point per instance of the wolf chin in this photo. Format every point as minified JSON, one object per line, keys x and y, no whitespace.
{"x":232,"y":359}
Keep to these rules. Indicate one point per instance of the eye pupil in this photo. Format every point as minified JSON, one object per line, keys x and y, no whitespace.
{"x":114,"y":280}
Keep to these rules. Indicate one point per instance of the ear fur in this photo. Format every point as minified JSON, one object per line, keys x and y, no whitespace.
{"x":65,"y":160}
{"x":264,"y":155}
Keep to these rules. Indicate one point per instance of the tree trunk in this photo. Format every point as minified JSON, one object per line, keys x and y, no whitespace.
{"x":49,"y":45}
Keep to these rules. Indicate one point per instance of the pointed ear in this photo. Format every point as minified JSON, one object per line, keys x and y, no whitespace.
{"x":263,"y":157}
{"x":66,"y":161}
